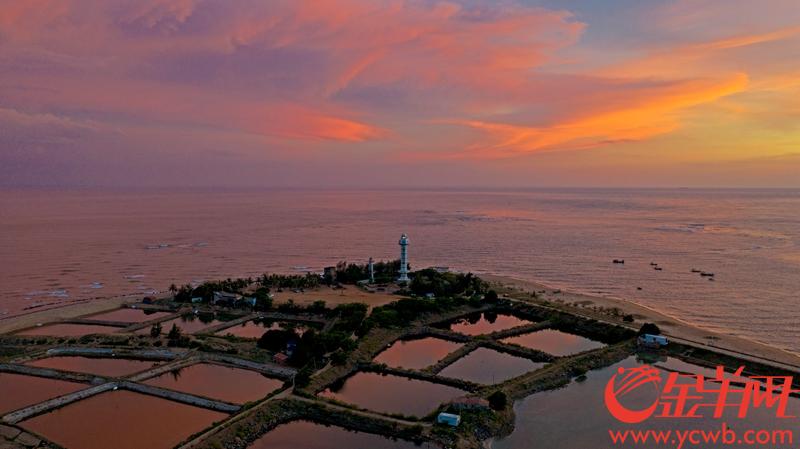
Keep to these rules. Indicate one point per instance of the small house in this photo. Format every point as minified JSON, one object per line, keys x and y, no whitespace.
{"x":652,"y":341}
{"x":225,"y":298}
{"x":449,"y":419}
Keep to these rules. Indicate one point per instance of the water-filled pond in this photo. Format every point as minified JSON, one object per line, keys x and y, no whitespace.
{"x":128,"y":315}
{"x":393,"y":394}
{"x":486,"y":323}
{"x":256,"y":328}
{"x":68,"y":330}
{"x":188,"y":324}
{"x":417,"y":353}
{"x":576,"y":417}
{"x":487,"y":366}
{"x":554,"y":342}
{"x":122,"y":420}
{"x":18,"y":391}
{"x":308,"y":435}
{"x":101,"y":367}
{"x":218,"y":382}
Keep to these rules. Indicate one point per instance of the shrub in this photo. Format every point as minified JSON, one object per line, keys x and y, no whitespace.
{"x":498,"y":400}
{"x":649,"y":328}
{"x":155,"y":330}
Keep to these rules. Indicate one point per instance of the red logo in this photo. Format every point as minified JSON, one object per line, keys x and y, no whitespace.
{"x":629,"y":380}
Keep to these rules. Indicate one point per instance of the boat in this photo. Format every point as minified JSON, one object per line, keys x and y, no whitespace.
{"x":653,"y":264}
{"x":658,"y":268}
{"x":706,"y":274}
{"x":619,"y":260}
{"x":695,"y":270}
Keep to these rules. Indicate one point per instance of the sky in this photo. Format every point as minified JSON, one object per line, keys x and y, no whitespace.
{"x":400,"y":93}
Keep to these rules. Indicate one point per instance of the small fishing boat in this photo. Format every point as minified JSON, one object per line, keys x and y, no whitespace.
{"x":706,"y":274}
{"x":619,"y":260}
{"x":695,"y":270}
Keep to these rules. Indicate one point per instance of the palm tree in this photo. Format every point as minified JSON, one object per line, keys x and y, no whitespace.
{"x":173,"y":289}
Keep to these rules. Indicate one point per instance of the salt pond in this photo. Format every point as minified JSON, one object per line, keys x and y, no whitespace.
{"x":393,"y":394}
{"x":122,"y":420}
{"x":101,"y":367}
{"x":18,"y":391}
{"x":487,"y":366}
{"x":128,"y":315}
{"x":307,"y":435}
{"x":486,"y":323}
{"x":416,"y":354}
{"x":68,"y":330}
{"x":255,"y":329}
{"x":218,"y":382}
{"x":188,"y":324}
{"x":554,"y":342}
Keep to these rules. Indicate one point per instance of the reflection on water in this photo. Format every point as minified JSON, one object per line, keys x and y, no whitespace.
{"x":68,"y":330}
{"x":256,"y":328}
{"x":218,"y":382}
{"x":101,"y":367}
{"x":555,"y":342}
{"x":18,"y":391}
{"x":393,"y":394}
{"x":416,"y":354}
{"x":307,"y":435}
{"x":576,"y":417}
{"x":485,"y":323}
{"x":488,"y":367}
{"x":122,"y":420}
{"x":128,"y":315}
{"x":188,"y":324}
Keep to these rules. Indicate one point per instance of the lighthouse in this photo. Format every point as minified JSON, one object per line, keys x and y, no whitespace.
{"x":403,"y":259}
{"x":371,"y":271}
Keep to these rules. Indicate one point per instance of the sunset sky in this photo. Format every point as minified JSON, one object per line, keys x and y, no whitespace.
{"x":349,"y":93}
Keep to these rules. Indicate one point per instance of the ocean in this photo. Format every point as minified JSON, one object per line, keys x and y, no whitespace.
{"x":62,"y":246}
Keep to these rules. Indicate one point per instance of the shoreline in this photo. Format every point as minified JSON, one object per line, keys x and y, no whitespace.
{"x":579,"y":302}
{"x":669,"y":325}
{"x":67,"y":311}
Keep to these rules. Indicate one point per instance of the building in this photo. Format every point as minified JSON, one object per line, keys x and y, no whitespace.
{"x":449,"y":419}
{"x":403,"y":259}
{"x":225,"y":299}
{"x":371,"y":271}
{"x":652,"y":341}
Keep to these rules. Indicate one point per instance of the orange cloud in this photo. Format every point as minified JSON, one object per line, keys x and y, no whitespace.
{"x":651,"y":114}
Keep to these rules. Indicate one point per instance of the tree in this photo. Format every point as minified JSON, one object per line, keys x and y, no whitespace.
{"x":490,"y":297}
{"x":317,"y":307}
{"x":649,"y":328}
{"x":498,"y":400}
{"x":173,"y":289}
{"x":155,"y":330}
{"x":174,"y":333}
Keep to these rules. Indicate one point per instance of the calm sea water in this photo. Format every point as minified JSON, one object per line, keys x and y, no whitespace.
{"x":58,"y":246}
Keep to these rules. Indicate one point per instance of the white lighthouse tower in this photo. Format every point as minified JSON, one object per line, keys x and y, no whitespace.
{"x":371,"y":271}
{"x":403,"y":259}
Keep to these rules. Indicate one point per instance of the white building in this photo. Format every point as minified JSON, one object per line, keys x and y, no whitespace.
{"x":403,"y":259}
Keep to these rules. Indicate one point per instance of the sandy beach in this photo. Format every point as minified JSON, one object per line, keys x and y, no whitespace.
{"x":671,"y":326}
{"x":15,"y":323}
